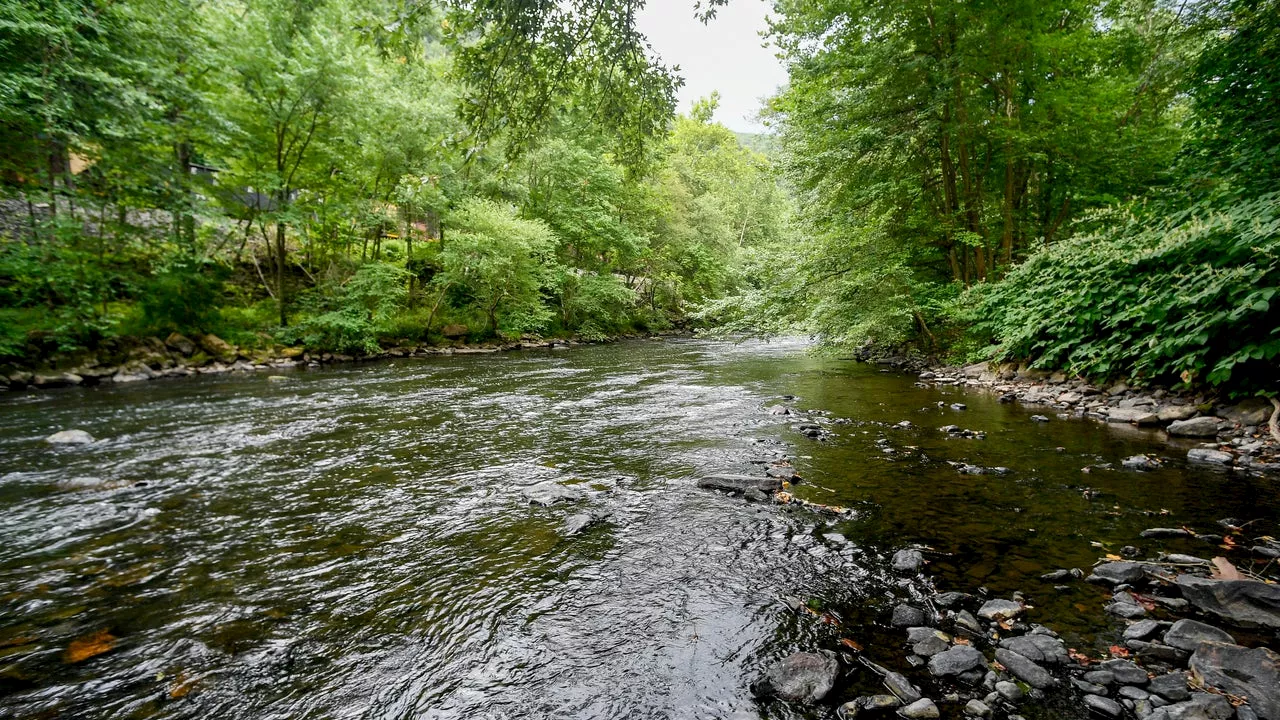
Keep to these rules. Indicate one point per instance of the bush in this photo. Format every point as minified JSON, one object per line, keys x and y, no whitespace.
{"x":183,"y":296}
{"x":1188,"y":296}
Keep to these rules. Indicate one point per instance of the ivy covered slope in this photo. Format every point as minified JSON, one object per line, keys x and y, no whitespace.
{"x":349,"y":174}
{"x":1086,"y":185}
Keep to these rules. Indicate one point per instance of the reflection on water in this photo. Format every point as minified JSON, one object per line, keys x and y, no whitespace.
{"x":352,"y":543}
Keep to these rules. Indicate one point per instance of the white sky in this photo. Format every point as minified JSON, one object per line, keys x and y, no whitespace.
{"x":726,"y":54}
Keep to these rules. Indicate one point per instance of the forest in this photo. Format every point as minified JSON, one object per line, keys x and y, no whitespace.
{"x":1088,"y":185}
{"x":346,"y":175}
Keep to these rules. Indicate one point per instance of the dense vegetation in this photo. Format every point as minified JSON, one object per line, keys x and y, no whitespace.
{"x":1089,"y":185}
{"x":349,"y":173}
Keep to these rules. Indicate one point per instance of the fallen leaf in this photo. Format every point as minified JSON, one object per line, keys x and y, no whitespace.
{"x":1119,"y":651}
{"x":89,"y":646}
{"x":961,"y":640}
{"x":182,"y":685}
{"x":1224,"y":570}
{"x":1113,"y":556}
{"x":851,"y":644}
{"x":1079,"y":657}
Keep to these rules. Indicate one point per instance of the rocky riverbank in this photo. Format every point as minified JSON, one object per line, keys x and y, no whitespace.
{"x":181,"y":356}
{"x":1194,"y":612}
{"x":1242,"y":435}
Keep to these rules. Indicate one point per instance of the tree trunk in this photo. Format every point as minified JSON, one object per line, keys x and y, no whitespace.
{"x":280,"y":260}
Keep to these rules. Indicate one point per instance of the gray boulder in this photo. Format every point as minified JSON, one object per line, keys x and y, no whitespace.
{"x":957,"y":660}
{"x":1171,"y":687}
{"x":1025,"y":670}
{"x":739,"y":484}
{"x":1202,"y":426}
{"x":1037,"y":648}
{"x":1188,"y":634}
{"x":1135,"y":415}
{"x":1253,"y":674}
{"x":801,"y":677}
{"x":1172,"y":413}
{"x":69,"y":437}
{"x":1125,"y":672}
{"x":1102,"y":706}
{"x":907,"y":616}
{"x":1247,"y":603}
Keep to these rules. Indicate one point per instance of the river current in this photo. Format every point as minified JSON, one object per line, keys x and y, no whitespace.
{"x":353,"y":542}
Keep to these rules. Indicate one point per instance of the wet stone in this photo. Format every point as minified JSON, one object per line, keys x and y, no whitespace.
{"x":977,"y":708}
{"x":801,"y":677}
{"x":957,"y":660}
{"x":1201,"y":706}
{"x":738,"y":484}
{"x":907,"y":616}
{"x":1088,"y":688}
{"x":1188,"y":634}
{"x":1127,"y":610}
{"x":929,"y":647}
{"x":965,"y":620}
{"x":1103,"y":707}
{"x":907,"y":561}
{"x":1126,"y":672}
{"x":1115,"y":573}
{"x":952,"y":599}
{"x":1100,"y":677}
{"x":901,"y":687}
{"x":1165,"y":533}
{"x":922,"y":709}
{"x":551,"y":493}
{"x":1171,"y":687}
{"x":1010,"y":691}
{"x":1000,"y":610}
{"x":1252,"y":673}
{"x":1247,"y":603}
{"x":1141,"y":630}
{"x":1037,"y":648}
{"x":1024,"y":669}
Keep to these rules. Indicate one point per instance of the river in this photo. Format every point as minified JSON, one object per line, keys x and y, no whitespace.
{"x":352,"y":542}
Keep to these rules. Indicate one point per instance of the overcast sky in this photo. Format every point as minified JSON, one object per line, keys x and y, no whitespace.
{"x":724,"y":55}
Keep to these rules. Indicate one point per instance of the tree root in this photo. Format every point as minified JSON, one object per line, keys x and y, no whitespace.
{"x":1274,"y":422}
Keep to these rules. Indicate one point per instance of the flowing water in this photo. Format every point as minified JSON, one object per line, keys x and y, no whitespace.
{"x":353,"y":543}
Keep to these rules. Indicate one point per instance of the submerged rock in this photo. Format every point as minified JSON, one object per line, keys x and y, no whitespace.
{"x":1209,"y":456}
{"x":801,"y":677}
{"x":1253,"y":674}
{"x":907,"y":561}
{"x":739,"y":484}
{"x":550,"y":493}
{"x":70,"y":437}
{"x":575,"y":524}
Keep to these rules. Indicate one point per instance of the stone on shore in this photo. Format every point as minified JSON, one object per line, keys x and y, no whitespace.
{"x":1104,"y":707}
{"x":1171,"y":687}
{"x":1135,"y":415}
{"x":1203,"y":426}
{"x":1188,"y":634}
{"x":801,"y":677}
{"x":1253,"y":674}
{"x":907,"y":616}
{"x":957,"y":660}
{"x":1247,"y":603}
{"x":901,"y":687}
{"x":739,"y":484}
{"x":1201,"y":706}
{"x":69,"y":437}
{"x":1125,"y":672}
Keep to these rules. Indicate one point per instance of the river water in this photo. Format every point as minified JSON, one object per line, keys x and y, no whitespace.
{"x":352,"y":542}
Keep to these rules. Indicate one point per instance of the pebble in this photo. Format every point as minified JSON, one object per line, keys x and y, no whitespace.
{"x":1010,"y":691}
{"x":907,"y":561}
{"x":1000,"y":610}
{"x":977,"y":708}
{"x":922,"y":709}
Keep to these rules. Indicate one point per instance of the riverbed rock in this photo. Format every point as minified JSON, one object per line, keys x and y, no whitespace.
{"x":1187,"y":635}
{"x":1201,"y":706}
{"x":1010,"y":691}
{"x":1253,"y":674}
{"x":901,"y":687}
{"x":957,"y":660}
{"x":998,"y":609}
{"x":69,"y":437}
{"x":1165,"y":533}
{"x":1171,"y":686}
{"x":1203,"y":426}
{"x":922,"y":709}
{"x":1116,"y":573}
{"x":454,"y":331}
{"x":1134,"y":415}
{"x":907,"y":616}
{"x":1104,"y":707}
{"x":1024,"y":669}
{"x":1209,"y":456}
{"x":1247,"y":603}
{"x":803,"y":677}
{"x":1126,"y":672}
{"x":907,"y":561}
{"x":739,"y":484}
{"x":868,"y":705}
{"x":55,"y":380}
{"x":575,"y":524}
{"x":551,"y":493}
{"x":218,"y":348}
{"x":1037,"y":648}
{"x":1140,"y":462}
{"x":977,"y":708}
